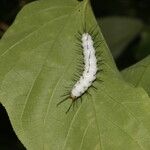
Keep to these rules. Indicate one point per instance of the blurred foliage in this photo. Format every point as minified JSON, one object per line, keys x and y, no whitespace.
{"x":143,"y":48}
{"x":133,"y":8}
{"x":132,"y":38}
{"x":119,"y":32}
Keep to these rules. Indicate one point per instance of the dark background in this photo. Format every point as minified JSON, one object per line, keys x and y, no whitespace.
{"x":139,"y":9}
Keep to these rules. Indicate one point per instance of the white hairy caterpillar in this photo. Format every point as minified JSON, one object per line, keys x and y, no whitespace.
{"x":90,"y":67}
{"x":90,"y":70}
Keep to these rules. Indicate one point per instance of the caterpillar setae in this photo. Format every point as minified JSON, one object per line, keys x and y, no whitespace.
{"x":90,"y":70}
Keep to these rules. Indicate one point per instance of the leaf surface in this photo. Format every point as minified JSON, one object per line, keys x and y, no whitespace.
{"x":38,"y":60}
{"x":139,"y":74}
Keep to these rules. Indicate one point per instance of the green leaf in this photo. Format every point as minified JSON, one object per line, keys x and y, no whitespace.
{"x":119,"y":32}
{"x":139,"y":74}
{"x":38,"y":60}
{"x":143,"y":49}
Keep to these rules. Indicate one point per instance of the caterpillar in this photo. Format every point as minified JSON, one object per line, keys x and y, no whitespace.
{"x":90,"y":71}
{"x":90,"y":68}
